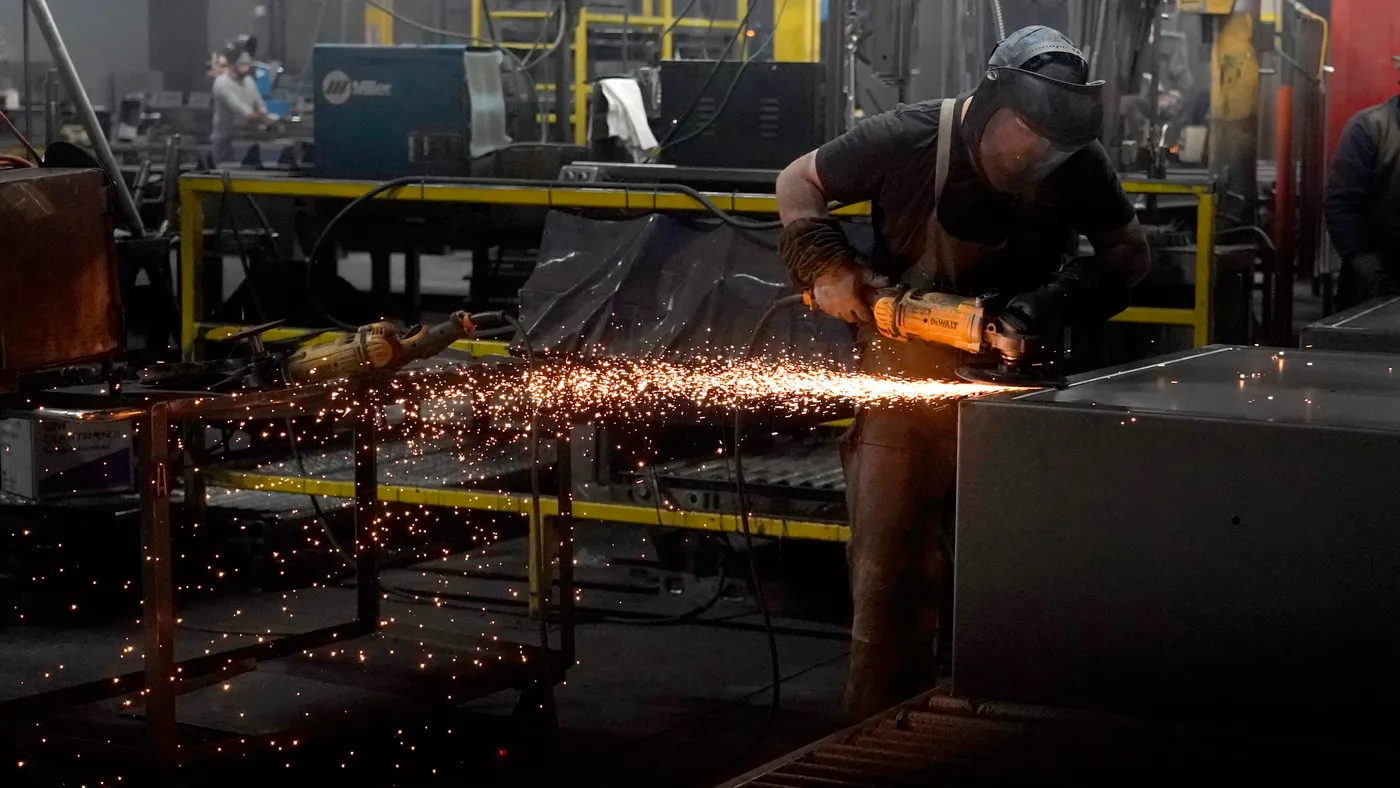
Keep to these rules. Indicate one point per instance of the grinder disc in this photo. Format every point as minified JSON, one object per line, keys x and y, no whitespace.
{"x":1036,"y":378}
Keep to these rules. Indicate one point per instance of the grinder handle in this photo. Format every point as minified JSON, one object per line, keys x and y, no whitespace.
{"x":428,"y":341}
{"x":871,"y":295}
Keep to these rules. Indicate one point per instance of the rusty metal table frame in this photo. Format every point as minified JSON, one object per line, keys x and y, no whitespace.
{"x":160,"y":681}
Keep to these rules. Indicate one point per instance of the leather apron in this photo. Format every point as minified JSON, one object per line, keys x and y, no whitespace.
{"x":900,"y":465}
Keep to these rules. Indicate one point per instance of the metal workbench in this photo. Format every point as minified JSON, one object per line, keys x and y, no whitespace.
{"x":170,"y":670}
{"x":1372,"y":327}
{"x":1208,"y":528}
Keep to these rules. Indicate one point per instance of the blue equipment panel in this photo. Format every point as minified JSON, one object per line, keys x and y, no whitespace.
{"x":386,"y":112}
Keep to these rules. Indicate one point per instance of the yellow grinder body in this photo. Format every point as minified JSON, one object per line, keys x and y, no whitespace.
{"x":946,"y":319}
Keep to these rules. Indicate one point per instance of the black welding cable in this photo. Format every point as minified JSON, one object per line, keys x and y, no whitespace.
{"x":741,"y":494}
{"x":690,"y":616}
{"x":344,"y":555}
{"x":323,"y":239}
{"x":680,"y":15}
{"x":519,"y":65}
{"x":728,"y":93}
{"x":535,"y":56}
{"x":225,"y":205}
{"x":543,"y":552}
{"x":533,"y":59}
{"x":709,"y":78}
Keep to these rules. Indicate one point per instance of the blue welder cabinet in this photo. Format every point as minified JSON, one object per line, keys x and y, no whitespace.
{"x":387,"y":112}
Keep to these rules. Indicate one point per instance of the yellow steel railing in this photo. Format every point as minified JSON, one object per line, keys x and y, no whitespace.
{"x":194,"y":188}
{"x":662,"y":18}
{"x":520,"y":503}
{"x":1200,"y":317}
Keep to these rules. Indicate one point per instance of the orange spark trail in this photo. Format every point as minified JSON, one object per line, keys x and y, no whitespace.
{"x":652,"y":388}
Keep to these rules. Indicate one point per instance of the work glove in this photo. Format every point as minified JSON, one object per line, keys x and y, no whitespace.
{"x":1078,"y":294}
{"x":840,"y":292}
{"x":1039,"y":313}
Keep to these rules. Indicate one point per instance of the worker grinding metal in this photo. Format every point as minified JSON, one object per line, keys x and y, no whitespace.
{"x":237,"y":103}
{"x":1363,"y":203}
{"x":985,"y":193}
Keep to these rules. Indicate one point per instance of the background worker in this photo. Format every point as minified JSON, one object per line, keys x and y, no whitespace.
{"x":984,"y":193}
{"x":237,"y":103}
{"x":1363,"y":203}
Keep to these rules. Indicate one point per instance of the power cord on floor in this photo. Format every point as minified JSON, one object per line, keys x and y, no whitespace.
{"x":741,"y":494}
{"x":345,"y":556}
{"x":542,"y":556}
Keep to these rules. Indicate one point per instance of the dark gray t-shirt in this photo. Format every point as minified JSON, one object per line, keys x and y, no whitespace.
{"x":890,"y":160}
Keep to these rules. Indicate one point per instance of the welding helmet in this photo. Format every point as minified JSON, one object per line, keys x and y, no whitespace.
{"x":240,"y":45}
{"x":1033,"y":110}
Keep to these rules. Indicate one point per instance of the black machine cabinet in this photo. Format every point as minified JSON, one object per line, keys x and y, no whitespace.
{"x":1191,"y":533}
{"x":773,"y":113}
{"x":1372,"y":327}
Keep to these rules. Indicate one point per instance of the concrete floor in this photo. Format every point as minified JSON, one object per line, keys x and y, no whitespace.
{"x":681,"y":705}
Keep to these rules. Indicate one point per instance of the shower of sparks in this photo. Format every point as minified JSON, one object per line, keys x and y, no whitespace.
{"x":471,"y":427}
{"x":614,"y":388}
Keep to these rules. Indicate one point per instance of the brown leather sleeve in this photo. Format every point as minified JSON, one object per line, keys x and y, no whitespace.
{"x":812,"y":247}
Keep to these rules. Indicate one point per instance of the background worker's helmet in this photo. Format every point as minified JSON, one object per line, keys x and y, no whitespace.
{"x":240,"y":45}
{"x":1033,"y":110}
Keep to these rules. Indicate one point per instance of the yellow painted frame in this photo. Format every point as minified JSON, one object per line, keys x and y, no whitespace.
{"x":663,"y":18}
{"x":520,"y":503}
{"x":193,"y":189}
{"x":1200,"y":318}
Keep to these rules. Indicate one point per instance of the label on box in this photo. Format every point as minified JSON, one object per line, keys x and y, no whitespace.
{"x":44,"y":459}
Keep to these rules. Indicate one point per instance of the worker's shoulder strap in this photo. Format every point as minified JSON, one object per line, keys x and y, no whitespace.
{"x":945,"y":147}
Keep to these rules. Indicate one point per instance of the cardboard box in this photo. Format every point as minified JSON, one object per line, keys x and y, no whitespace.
{"x":44,"y":459}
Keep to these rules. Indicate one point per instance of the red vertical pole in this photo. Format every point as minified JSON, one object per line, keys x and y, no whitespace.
{"x":1281,"y":332}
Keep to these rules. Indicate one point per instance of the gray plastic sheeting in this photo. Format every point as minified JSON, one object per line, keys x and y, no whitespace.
{"x":666,"y":287}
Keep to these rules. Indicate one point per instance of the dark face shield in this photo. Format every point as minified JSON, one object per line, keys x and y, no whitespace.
{"x":1013,"y":156}
{"x":1022,"y":125}
{"x":1069,"y":115}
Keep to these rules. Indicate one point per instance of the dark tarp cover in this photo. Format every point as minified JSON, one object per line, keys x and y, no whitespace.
{"x":662,"y":286}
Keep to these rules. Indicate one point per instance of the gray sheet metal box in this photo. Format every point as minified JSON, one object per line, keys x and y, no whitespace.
{"x":1216,"y":527}
{"x":1373,"y":327}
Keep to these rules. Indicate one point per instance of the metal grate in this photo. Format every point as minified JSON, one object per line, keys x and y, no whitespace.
{"x":946,"y":741}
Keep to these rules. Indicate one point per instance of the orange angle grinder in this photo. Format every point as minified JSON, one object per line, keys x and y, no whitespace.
{"x":967,"y":324}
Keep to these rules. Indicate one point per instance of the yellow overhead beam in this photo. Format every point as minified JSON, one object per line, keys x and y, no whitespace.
{"x":539,"y":196}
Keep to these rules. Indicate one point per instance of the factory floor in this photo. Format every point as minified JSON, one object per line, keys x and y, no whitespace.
{"x":682,"y":704}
